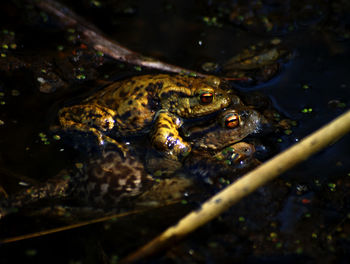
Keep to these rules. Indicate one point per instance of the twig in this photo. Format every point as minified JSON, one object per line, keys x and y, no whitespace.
{"x":247,"y":184}
{"x":65,"y":228}
{"x":92,"y":36}
{"x":77,"y":225}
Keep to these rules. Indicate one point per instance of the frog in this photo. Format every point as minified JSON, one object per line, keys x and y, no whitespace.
{"x":106,"y":183}
{"x":221,"y":167}
{"x":224,"y":150}
{"x":257,"y":64}
{"x":156,"y":104}
{"x":231,"y":126}
{"x":110,"y":183}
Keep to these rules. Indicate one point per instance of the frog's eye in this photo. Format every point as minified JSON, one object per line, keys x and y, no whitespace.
{"x":232,"y":120}
{"x":206,"y":97}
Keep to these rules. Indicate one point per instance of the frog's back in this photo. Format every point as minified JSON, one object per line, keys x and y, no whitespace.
{"x":134,"y":101}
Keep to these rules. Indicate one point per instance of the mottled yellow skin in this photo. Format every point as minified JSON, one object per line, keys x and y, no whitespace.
{"x":142,"y":102}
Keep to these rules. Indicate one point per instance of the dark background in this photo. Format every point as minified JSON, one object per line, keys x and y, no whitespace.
{"x":304,"y":216}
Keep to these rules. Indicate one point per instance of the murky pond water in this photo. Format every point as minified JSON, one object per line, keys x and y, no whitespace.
{"x":302,"y":216}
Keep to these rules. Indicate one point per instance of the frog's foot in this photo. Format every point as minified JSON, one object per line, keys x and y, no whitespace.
{"x":121,"y":147}
{"x":102,"y":139}
{"x":166,"y":137}
{"x":93,"y":118}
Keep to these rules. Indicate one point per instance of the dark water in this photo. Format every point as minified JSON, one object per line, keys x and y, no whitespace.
{"x":304,"y":216}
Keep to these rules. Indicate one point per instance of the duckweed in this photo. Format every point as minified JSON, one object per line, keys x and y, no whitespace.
{"x":138,"y":68}
{"x":306,"y":110}
{"x":56,"y":137}
{"x":241,"y":219}
{"x":79,"y":165}
{"x":81,"y":76}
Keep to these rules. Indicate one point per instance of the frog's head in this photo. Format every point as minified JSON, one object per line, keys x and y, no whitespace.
{"x":232,"y":126}
{"x":239,"y":154}
{"x":202,"y":97}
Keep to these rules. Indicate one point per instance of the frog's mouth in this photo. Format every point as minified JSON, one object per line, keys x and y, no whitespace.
{"x":202,"y":126}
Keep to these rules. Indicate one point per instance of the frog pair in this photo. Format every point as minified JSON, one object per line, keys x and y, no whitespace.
{"x":156,"y":104}
{"x":164,"y":106}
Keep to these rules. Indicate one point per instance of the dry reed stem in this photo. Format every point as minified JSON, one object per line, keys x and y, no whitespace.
{"x":269,"y":170}
{"x":92,"y":36}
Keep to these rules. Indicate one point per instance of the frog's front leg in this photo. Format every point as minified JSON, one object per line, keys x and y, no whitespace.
{"x":92,"y":118}
{"x":166,"y":136}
